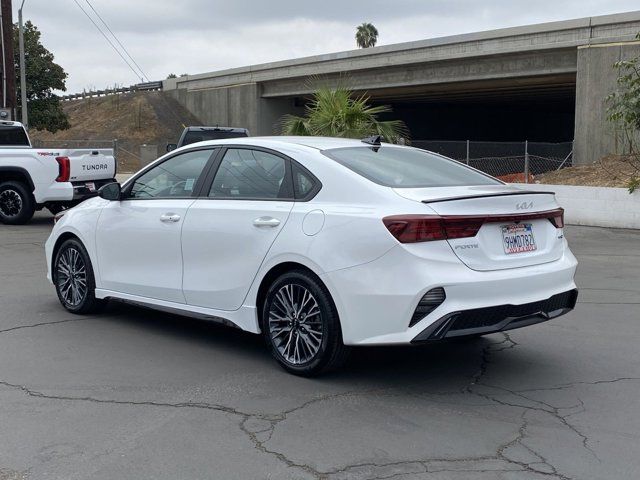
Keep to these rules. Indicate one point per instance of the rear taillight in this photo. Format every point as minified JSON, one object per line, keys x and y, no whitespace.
{"x":558,"y":218}
{"x":415,"y":228}
{"x":64,"y":169}
{"x":426,"y":228}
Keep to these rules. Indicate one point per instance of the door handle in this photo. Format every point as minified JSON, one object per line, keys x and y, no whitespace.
{"x":169,"y":217}
{"x":266,"y":222}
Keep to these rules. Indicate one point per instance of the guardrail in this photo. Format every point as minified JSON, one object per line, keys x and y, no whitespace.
{"x":138,"y":87}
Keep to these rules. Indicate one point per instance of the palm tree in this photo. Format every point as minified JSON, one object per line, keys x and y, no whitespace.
{"x":366,"y":35}
{"x":337,"y":112}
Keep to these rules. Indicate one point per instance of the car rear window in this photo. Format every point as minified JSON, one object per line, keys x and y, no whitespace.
{"x":202,"y":135}
{"x":407,"y":167}
{"x":13,"y":136}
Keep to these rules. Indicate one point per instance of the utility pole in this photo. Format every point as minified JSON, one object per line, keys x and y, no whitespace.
{"x":23,"y":75}
{"x":8,"y":90}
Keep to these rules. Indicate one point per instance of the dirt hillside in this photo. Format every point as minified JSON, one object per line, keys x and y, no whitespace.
{"x":610,"y":171}
{"x":151,"y":118}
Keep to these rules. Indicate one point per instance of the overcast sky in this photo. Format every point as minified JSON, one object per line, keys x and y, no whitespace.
{"x":195,"y":36}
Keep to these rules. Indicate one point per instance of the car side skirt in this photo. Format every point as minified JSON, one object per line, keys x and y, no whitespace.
{"x":243,"y":318}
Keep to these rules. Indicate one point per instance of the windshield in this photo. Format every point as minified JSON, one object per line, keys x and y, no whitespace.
{"x":202,"y":135}
{"x":13,"y":136}
{"x":407,"y":167}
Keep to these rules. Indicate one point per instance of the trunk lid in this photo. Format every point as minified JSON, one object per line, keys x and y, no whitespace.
{"x":510,"y":237}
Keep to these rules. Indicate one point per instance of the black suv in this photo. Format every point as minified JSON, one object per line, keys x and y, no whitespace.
{"x":200,"y":134}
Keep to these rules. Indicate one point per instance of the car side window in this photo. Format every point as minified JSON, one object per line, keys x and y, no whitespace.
{"x":173,"y":178}
{"x":250,"y":174}
{"x":303,"y":183}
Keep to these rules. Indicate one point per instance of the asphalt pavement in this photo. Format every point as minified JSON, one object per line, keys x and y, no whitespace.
{"x":137,"y":394}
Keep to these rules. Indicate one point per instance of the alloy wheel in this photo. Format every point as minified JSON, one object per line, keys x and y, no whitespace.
{"x":295,"y":324}
{"x":72,"y":277}
{"x":10,"y":203}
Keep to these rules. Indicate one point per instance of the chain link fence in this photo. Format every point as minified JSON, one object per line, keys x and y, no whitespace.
{"x":509,"y":161}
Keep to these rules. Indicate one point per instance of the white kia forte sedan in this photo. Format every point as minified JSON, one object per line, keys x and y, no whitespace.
{"x":319,"y":244}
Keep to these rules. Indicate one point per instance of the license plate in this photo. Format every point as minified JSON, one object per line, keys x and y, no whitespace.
{"x":518,"y":238}
{"x":91,"y":186}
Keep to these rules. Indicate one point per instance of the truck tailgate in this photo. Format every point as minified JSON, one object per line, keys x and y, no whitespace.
{"x":91,"y":164}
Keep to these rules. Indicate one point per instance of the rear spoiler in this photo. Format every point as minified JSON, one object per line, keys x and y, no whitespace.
{"x":487,"y":195}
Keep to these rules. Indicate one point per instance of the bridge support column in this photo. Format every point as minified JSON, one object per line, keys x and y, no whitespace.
{"x":596,"y":78}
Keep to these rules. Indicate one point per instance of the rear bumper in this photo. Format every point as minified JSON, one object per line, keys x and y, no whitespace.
{"x":67,"y":193}
{"x":376,"y":300}
{"x":81,"y":191}
{"x":480,"y":321}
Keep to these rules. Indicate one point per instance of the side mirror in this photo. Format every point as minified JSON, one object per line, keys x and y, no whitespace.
{"x":171,"y":147}
{"x":110,"y":191}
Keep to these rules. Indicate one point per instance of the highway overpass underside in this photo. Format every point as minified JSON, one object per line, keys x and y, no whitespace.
{"x":540,"y":108}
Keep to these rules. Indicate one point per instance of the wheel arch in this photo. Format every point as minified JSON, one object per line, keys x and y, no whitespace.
{"x":59,"y":241}
{"x":17,"y":174}
{"x":279,"y":269}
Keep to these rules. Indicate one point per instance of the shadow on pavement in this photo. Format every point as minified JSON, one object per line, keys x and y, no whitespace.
{"x":441,"y":366}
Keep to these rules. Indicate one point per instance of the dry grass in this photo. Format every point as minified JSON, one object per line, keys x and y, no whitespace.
{"x":610,"y":171}
{"x":150,"y":118}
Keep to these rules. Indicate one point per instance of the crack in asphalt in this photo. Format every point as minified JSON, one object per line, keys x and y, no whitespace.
{"x":550,"y":409}
{"x":21,"y":327}
{"x":564,"y":386}
{"x":428,"y":464}
{"x":275,"y":419}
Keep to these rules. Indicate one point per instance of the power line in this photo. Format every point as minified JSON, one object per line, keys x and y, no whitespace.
{"x":106,"y":38}
{"x":117,"y":40}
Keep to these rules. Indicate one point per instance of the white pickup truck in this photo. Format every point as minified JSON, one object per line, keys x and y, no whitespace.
{"x":35,"y":178}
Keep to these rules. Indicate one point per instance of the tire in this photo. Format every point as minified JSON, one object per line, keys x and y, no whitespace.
{"x":75,"y":289}
{"x":17,"y":205}
{"x":309,"y":341}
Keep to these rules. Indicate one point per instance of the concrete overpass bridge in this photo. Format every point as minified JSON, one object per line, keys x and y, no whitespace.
{"x":543,"y":82}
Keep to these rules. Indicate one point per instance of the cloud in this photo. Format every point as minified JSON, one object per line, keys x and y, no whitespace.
{"x":195,"y":36}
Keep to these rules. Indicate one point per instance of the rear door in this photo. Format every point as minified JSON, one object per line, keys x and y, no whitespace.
{"x":228,"y":232}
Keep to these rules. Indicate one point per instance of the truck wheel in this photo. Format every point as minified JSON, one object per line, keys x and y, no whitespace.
{"x":17,"y":205}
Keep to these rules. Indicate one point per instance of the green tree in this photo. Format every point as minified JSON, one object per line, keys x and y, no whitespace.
{"x":366,"y":35}
{"x":337,"y":112}
{"x":624,"y":111}
{"x":43,"y":76}
{"x":171,"y":75}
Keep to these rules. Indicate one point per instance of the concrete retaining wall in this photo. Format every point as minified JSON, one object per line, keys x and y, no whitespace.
{"x":595,"y":206}
{"x":233,"y":106}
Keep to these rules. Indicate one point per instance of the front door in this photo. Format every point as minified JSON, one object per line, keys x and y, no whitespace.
{"x":138,"y":238}
{"x":227,"y":234}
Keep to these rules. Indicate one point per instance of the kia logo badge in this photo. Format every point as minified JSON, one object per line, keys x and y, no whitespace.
{"x":524,"y":205}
